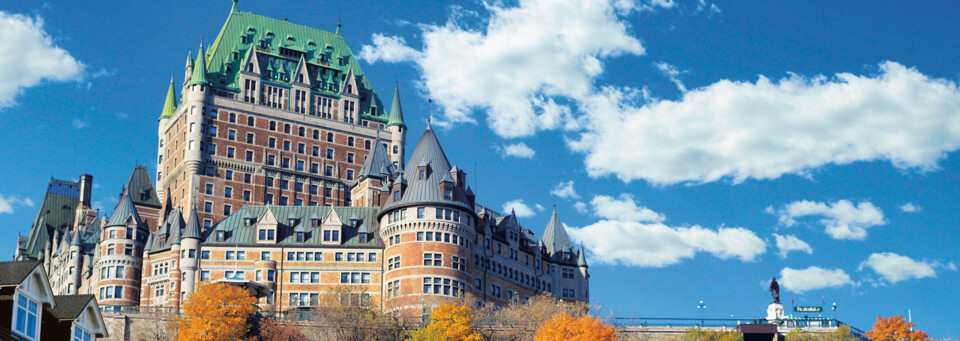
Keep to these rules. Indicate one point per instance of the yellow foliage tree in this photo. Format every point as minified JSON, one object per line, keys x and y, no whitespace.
{"x":564,"y":327}
{"x":449,"y":322}
{"x":216,"y":311}
{"x":895,"y":328}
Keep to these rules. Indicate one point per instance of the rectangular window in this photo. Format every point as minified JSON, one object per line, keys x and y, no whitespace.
{"x":265,"y":255}
{"x":204,"y":254}
{"x":27,"y":316}
{"x":432,"y":259}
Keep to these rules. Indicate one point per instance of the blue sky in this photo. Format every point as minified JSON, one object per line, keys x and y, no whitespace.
{"x":696,"y":149}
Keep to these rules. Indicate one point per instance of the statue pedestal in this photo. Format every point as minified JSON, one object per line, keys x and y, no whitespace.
{"x":774,"y":312}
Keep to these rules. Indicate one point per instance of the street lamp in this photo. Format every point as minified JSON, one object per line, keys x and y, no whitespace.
{"x":701,"y":307}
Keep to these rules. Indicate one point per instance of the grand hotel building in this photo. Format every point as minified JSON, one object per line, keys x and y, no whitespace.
{"x":280,"y":170}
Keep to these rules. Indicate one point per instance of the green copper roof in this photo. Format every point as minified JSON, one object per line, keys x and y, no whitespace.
{"x":326,"y":53}
{"x":56,"y":213}
{"x":170,"y":105}
{"x":199,"y":68}
{"x":396,"y":114}
{"x":123,"y":210}
{"x":236,"y":232}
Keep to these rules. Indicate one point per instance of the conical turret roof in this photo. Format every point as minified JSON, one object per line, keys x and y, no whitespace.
{"x":377,"y":162}
{"x":555,"y":237}
{"x":192,"y":230}
{"x":396,"y":114}
{"x":77,"y":241}
{"x":199,"y":68}
{"x":428,"y":190}
{"x":170,"y":104}
{"x":123,"y":210}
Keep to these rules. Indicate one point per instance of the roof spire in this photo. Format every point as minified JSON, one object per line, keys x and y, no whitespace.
{"x":200,"y":67}
{"x":234,"y":8}
{"x":338,"y":22}
{"x":170,"y":104}
{"x":429,"y":116}
{"x":396,"y":114}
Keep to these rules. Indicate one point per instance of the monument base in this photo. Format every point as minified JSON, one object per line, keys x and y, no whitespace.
{"x":774,"y":312}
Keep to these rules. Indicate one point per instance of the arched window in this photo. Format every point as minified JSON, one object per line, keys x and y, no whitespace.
{"x":396,"y":149}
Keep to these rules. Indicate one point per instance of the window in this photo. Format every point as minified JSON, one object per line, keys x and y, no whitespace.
{"x":272,"y":142}
{"x":226,"y":209}
{"x":349,"y":174}
{"x":246,"y":195}
{"x":228,"y":192}
{"x":208,"y":189}
{"x":459,"y":263}
{"x":207,"y":207}
{"x":329,"y":137}
{"x":393,"y":263}
{"x":250,"y":121}
{"x":448,"y":194}
{"x":442,"y":286}
{"x":246,"y":178}
{"x":432,"y":259}
{"x":421,"y":211}
{"x":329,"y":153}
{"x":206,"y":254}
{"x":220,"y":236}
{"x":249,"y":137}
{"x":204,"y":276}
{"x":231,"y":255}
{"x":26,"y":320}
{"x":249,"y":156}
{"x":231,"y":135}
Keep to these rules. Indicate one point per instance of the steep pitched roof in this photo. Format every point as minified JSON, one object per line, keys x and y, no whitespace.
{"x":170,"y":104}
{"x":56,"y":212}
{"x":326,"y":53}
{"x":123,"y":210}
{"x":140,"y":187}
{"x":555,"y":237}
{"x":377,"y":162}
{"x":69,"y":307}
{"x":396,"y":114}
{"x":428,"y":153}
{"x":581,"y":259}
{"x":77,"y":238}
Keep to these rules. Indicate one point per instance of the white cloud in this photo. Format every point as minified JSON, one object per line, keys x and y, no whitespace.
{"x":672,"y":73}
{"x":711,"y":8}
{"x":813,"y":278}
{"x":522,"y":210}
{"x":388,"y":49}
{"x":787,"y":244}
{"x":765,"y":129}
{"x":659,"y":245}
{"x":911,"y":208}
{"x":842,"y":219}
{"x":581,"y":207}
{"x":539,"y":207}
{"x":9,"y":203}
{"x":508,"y":67}
{"x":565,"y":190}
{"x":520,"y":150}
{"x":894,"y":268}
{"x":28,"y":57}
{"x":623,"y":208}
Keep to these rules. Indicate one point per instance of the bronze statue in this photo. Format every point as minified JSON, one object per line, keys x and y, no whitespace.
{"x":775,"y":290}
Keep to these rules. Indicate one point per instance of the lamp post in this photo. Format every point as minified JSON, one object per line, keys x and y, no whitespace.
{"x":701,"y":307}
{"x":835,"y":313}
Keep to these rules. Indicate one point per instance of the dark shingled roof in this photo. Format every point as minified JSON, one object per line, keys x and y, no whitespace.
{"x":428,"y":153}
{"x":69,"y":307}
{"x":192,"y":230}
{"x":12,"y":273}
{"x":140,"y":188}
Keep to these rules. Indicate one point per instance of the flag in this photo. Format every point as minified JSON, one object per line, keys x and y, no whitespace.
{"x":791,"y":301}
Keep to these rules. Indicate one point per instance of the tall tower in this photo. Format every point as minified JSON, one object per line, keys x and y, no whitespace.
{"x":568,"y":267}
{"x":427,"y":223}
{"x":76,"y":255}
{"x":398,"y":130}
{"x":121,"y":251}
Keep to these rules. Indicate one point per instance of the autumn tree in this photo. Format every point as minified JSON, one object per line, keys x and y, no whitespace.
{"x":565,"y":327}
{"x":270,"y":329}
{"x":350,"y":315}
{"x":895,"y":328}
{"x":449,"y":322}
{"x":216,"y":311}
{"x":519,"y":319}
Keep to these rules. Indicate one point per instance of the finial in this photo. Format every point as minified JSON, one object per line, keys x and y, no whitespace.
{"x":429,"y":117}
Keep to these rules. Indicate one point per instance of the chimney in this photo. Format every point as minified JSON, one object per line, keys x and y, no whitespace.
{"x":86,"y":184}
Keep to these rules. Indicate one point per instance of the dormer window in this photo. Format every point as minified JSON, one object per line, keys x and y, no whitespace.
{"x":396,"y":195}
{"x":220,"y":236}
{"x":314,"y":222}
{"x":421,"y":174}
{"x":301,"y":237}
{"x":249,"y":221}
{"x":292,"y":221}
{"x":265,"y":235}
{"x":448,"y":194}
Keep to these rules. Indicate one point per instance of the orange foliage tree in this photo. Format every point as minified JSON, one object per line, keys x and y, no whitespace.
{"x":449,"y":322}
{"x":895,"y":328}
{"x":216,"y":311}
{"x":564,"y":327}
